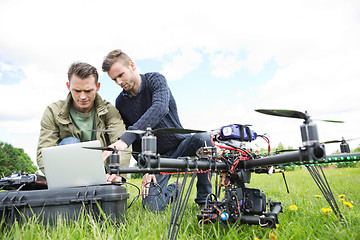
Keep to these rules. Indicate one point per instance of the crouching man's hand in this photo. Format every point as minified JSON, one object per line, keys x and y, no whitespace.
{"x":113,"y":178}
{"x":145,"y":184}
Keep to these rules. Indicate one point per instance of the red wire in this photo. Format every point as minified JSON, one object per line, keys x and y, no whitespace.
{"x":225,"y":147}
{"x":267,"y":141}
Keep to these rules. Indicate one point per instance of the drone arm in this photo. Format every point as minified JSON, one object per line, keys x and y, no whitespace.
{"x":306,"y":154}
{"x":274,"y":160}
{"x":122,"y":170}
{"x":179,"y":163}
{"x":154,"y":163}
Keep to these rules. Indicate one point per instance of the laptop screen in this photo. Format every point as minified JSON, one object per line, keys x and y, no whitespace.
{"x":73,"y":166}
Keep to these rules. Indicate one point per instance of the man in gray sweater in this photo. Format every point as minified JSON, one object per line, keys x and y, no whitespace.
{"x":146,"y":100}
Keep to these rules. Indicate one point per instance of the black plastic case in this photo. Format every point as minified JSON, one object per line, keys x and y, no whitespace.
{"x":66,"y":202}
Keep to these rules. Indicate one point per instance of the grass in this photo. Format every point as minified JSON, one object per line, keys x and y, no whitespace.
{"x":307,"y":222}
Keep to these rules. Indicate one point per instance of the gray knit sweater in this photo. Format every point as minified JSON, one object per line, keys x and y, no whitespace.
{"x":154,"y":106}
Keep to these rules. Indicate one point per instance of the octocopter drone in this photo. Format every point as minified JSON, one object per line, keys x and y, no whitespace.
{"x":233,"y":165}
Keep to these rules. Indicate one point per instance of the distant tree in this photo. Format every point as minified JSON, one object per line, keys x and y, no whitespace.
{"x":280,"y":146}
{"x":356,"y":149}
{"x":14,"y":160}
{"x":337,"y":151}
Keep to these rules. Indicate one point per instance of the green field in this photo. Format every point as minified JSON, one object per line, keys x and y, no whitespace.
{"x":307,"y":222}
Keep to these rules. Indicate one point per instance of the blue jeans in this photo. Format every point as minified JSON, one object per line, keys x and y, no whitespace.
{"x":157,"y":202}
{"x":69,"y":140}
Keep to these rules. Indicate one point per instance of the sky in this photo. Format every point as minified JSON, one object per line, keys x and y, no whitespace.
{"x":222,"y":61}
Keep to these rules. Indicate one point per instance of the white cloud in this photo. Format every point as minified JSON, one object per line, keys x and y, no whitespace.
{"x":225,"y":66}
{"x":181,"y":64}
{"x":240,"y":93}
{"x":5,"y":67}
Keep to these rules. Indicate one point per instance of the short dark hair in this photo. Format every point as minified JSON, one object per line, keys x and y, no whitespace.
{"x":112,"y":57}
{"x":83,"y":70}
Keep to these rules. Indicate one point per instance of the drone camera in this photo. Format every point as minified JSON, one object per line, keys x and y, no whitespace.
{"x":255,"y":201}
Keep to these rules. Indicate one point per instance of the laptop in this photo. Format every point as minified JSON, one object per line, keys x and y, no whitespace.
{"x":74,"y":166}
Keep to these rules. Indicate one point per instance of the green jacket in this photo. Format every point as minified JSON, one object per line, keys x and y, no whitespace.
{"x":56,"y":124}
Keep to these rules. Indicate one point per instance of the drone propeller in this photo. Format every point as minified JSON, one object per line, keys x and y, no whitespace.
{"x":286,"y":150}
{"x":174,"y":131}
{"x":282,"y":151}
{"x":157,"y":131}
{"x":102,"y":148}
{"x":291,"y":114}
{"x":114,"y":150}
{"x":339,"y":141}
{"x":330,"y":121}
{"x":283,"y":113}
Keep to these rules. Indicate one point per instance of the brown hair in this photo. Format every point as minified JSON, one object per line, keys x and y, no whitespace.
{"x":114,"y":56}
{"x":83,"y":70}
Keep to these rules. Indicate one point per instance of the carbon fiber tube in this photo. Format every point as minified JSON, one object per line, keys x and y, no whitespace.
{"x":156,"y":164}
{"x":146,"y":161}
{"x":305,"y":155}
{"x":251,"y":220}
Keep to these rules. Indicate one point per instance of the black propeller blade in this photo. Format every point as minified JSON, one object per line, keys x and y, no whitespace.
{"x":333,"y":141}
{"x":282,"y":151}
{"x":118,"y":130}
{"x":157,"y":131}
{"x":102,"y":148}
{"x":114,"y":150}
{"x":291,"y":114}
{"x":331,"y":121}
{"x":339,"y":141}
{"x":286,"y":150}
{"x":283,"y":113}
{"x":175,"y":131}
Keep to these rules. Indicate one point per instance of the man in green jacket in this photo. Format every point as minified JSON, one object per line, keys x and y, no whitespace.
{"x":79,"y":114}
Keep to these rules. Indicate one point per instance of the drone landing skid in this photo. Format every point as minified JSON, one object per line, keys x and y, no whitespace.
{"x":179,"y":205}
{"x":319,"y":177}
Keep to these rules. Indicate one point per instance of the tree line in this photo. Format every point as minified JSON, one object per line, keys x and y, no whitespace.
{"x":14,"y":160}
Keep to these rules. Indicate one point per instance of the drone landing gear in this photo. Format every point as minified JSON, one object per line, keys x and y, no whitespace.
{"x":319,"y":177}
{"x":179,"y":205}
